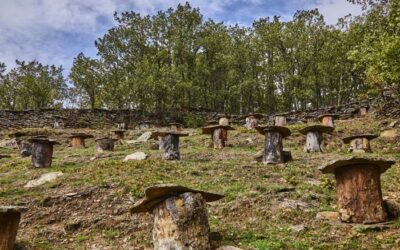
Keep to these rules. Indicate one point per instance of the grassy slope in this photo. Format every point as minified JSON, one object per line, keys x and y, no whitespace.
{"x":89,"y":206}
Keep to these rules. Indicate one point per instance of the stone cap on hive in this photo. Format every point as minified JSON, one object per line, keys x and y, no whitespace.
{"x":382,"y":164}
{"x":158,"y":193}
{"x":335,"y":116}
{"x":42,"y":139}
{"x":348,"y":139}
{"x":12,"y":209}
{"x":81,"y":135}
{"x":156,"y":134}
{"x":210,"y":129}
{"x":284,"y":131}
{"x":317,"y":127}
{"x":105,"y":138}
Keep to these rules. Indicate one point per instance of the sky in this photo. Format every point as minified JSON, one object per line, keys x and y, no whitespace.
{"x":55,"y":31}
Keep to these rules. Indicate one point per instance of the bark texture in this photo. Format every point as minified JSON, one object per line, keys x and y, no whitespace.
{"x":251,"y":122}
{"x":78,"y":142}
{"x":280,"y":121}
{"x":220,"y":136}
{"x":273,"y":149}
{"x":360,"y":145}
{"x":104,"y":145}
{"x":359,"y":194}
{"x":42,"y":154}
{"x":9,"y":223}
{"x":169,"y":144}
{"x":328,"y":121}
{"x":181,"y":223}
{"x":313,"y":142}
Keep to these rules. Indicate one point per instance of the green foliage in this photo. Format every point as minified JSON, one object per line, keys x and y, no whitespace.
{"x":193,"y":120}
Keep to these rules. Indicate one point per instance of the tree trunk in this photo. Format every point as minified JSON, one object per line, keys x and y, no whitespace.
{"x":273,"y":150}
{"x":360,"y":145}
{"x":78,"y":142}
{"x":181,"y":223}
{"x":9,"y":222}
{"x":42,"y":154}
{"x":169,"y":144}
{"x":251,"y":122}
{"x":313,"y":142}
{"x":220,"y":136}
{"x":359,"y":194}
{"x":362,"y":112}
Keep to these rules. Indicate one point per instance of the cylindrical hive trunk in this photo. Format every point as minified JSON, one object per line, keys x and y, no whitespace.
{"x":104,"y":145}
{"x":251,"y":122}
{"x":78,"y":142}
{"x":363,"y":112}
{"x":280,"y":121}
{"x":9,"y":222}
{"x":223,"y":121}
{"x":328,"y":121}
{"x":273,"y":150}
{"x":313,"y":142}
{"x":360,"y":145}
{"x":220,"y":136}
{"x":359,"y":194}
{"x":169,"y":144}
{"x":181,"y":223}
{"x":42,"y":154}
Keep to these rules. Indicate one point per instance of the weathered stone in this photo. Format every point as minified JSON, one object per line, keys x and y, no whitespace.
{"x":43,"y":179}
{"x":137,"y":156}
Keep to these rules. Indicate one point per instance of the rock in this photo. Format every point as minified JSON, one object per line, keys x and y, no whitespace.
{"x":293,"y":204}
{"x":43,"y":179}
{"x":393,"y":124}
{"x":12,"y":143}
{"x":298,"y":228}
{"x":137,"y":156}
{"x":228,"y":248}
{"x":143,"y":138}
{"x":390,"y":133}
{"x":328,"y":215}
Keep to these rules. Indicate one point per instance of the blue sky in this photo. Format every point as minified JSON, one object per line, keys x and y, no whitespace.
{"x":55,"y":31}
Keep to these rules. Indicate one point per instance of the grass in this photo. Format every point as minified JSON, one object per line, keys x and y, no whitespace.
{"x":253,"y":214}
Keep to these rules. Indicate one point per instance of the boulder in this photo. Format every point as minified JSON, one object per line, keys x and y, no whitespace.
{"x":43,"y":179}
{"x":137,"y":156}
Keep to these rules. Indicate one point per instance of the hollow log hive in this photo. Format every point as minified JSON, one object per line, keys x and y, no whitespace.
{"x":360,"y":143}
{"x":358,"y":188}
{"x":180,"y":216}
{"x":314,"y":137}
{"x":104,"y":144}
{"x":273,"y":149}
{"x":9,"y":223}
{"x":119,"y":135}
{"x":280,"y":120}
{"x":78,"y":140}
{"x":169,"y":143}
{"x":328,"y":119}
{"x":42,"y":151}
{"x":219,"y":134}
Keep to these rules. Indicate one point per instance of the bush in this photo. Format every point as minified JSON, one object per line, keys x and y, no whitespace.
{"x":194,"y":120}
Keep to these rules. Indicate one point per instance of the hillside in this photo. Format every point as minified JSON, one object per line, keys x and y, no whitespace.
{"x":265,"y":207}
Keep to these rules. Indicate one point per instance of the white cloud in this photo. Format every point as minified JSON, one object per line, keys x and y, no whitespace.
{"x":335,"y":9}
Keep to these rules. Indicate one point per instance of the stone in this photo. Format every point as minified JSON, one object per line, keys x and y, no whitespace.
{"x":328,"y":215}
{"x":393,"y":124}
{"x":12,"y":143}
{"x":137,"y":156}
{"x":390,"y":133}
{"x":143,"y":138}
{"x":43,"y":179}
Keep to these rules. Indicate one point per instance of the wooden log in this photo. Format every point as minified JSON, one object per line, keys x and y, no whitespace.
{"x":9,"y":223}
{"x":104,"y":144}
{"x":313,"y":142}
{"x":169,"y":144}
{"x":251,"y":122}
{"x":280,"y":121}
{"x":78,"y":142}
{"x":360,"y":145}
{"x":359,"y":194}
{"x":219,"y":137}
{"x":42,"y":154}
{"x":273,"y":149}
{"x":328,"y":121}
{"x":363,"y":112}
{"x":181,"y":223}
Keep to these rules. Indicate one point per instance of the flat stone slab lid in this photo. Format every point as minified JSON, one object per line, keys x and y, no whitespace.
{"x":335,"y":116}
{"x":382,"y":164}
{"x":42,"y":139}
{"x":158,"y":193}
{"x":210,"y":129}
{"x":156,"y":134}
{"x":317,"y":127}
{"x":348,"y":139}
{"x":81,"y":135}
{"x":284,"y":131}
{"x":105,"y":138}
{"x":12,"y":209}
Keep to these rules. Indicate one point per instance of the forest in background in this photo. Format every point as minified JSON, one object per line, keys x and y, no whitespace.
{"x":177,"y":60}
